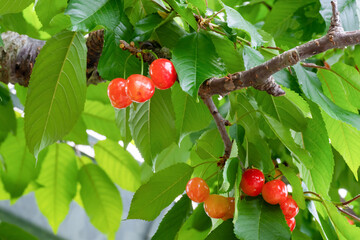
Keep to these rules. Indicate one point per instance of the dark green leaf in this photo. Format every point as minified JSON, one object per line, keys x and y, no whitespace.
{"x":257,"y":219}
{"x":196,"y":64}
{"x":7,"y":115}
{"x":172,"y":221}
{"x":152,"y":125}
{"x":311,"y":87}
{"x":53,"y":106}
{"x":159,"y":192}
{"x":229,"y":174}
{"x":295,"y":182}
{"x":19,"y":163}
{"x":14,"y":6}
{"x":138,"y":9}
{"x":184,"y":12}
{"x":12,"y":232}
{"x":57,"y":191}
{"x":188,"y":112}
{"x":169,"y":33}
{"x":101,"y":199}
{"x":85,"y":16}
{"x":119,"y":164}
{"x":224,"y":231}
{"x":145,"y":27}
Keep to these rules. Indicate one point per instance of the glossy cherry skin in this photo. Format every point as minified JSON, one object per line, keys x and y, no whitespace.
{"x":289,"y":208}
{"x":252,"y":182}
{"x":117,"y":93}
{"x":162,"y":73}
{"x":139,"y":88}
{"x":197,"y":189}
{"x":274,"y":192}
{"x":291,"y":223}
{"x":216,"y":206}
{"x":231,"y":210}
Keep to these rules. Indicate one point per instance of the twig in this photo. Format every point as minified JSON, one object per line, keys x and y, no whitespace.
{"x":274,"y":48}
{"x":349,"y":214}
{"x":348,"y":202}
{"x":220,"y":123}
{"x":312,"y":65}
{"x":335,"y":24}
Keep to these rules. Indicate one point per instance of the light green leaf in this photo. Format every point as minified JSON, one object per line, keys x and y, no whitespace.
{"x":185,"y":12}
{"x":122,"y":122}
{"x":19,"y":162}
{"x":200,"y":4}
{"x":14,"y":6}
{"x":47,"y":9}
{"x":257,"y":220}
{"x":196,"y":64}
{"x":78,"y":134}
{"x":7,"y":115}
{"x":101,"y":199}
{"x":296,"y":99}
{"x":346,"y":140}
{"x":57,"y":90}
{"x":12,"y":232}
{"x":173,"y":220}
{"x":101,"y":118}
{"x":159,"y":192}
{"x":119,"y":165}
{"x":295,"y":182}
{"x":188,"y":112}
{"x":55,"y":196}
{"x":229,"y":174}
{"x":152,"y":125}
{"x":138,"y":9}
{"x":236,"y":21}
{"x":311,"y":87}
{"x":85,"y":16}
{"x":210,"y":145}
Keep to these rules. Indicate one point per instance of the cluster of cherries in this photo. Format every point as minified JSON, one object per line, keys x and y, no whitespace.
{"x":138,"y":88}
{"x":252,"y":184}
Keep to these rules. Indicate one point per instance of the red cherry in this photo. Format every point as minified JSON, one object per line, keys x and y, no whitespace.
{"x":117,"y":93}
{"x":162,"y":73}
{"x":289,"y":208}
{"x":291,"y":223}
{"x":197,"y":190}
{"x":231,"y":210}
{"x":216,"y":206}
{"x":274,"y":192}
{"x":139,"y":88}
{"x":252,"y":182}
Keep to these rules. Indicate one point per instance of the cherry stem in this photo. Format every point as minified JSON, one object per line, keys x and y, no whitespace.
{"x":312,"y":199}
{"x":212,"y":175}
{"x":309,"y":192}
{"x":142,"y":63}
{"x":198,"y":165}
{"x":125,"y":64}
{"x":152,"y":53}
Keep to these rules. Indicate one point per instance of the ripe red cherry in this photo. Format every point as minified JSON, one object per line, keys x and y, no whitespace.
{"x":291,"y":223}
{"x":252,"y":182}
{"x":139,"y":88}
{"x":289,"y":208}
{"x":197,"y":189}
{"x":162,"y":73}
{"x":274,"y":192}
{"x":117,"y":94}
{"x":231,"y":210}
{"x":216,"y":206}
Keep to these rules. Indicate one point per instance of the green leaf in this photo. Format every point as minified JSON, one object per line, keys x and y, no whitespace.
{"x":296,"y":99}
{"x":259,"y":220}
{"x":19,"y":162}
{"x":55,"y":196}
{"x":101,"y":199}
{"x":185,"y":12}
{"x":236,"y":21}
{"x":188,"y":112}
{"x":159,"y":192}
{"x":348,"y":13}
{"x":152,"y":125}
{"x":200,"y":4}
{"x":12,"y":232}
{"x":58,"y":23}
{"x":122,"y":122}
{"x":169,"y":33}
{"x":85,"y":16}
{"x":46,"y":10}
{"x":146,"y":26}
{"x":295,"y":182}
{"x":346,"y":140}
{"x":311,"y":87}
{"x":232,"y":57}
{"x":316,"y":142}
{"x":196,"y":226}
{"x":172,"y":221}
{"x":98,"y":92}
{"x":78,"y":134}
{"x":341,"y":223}
{"x":138,"y":9}
{"x":224,"y":231}
{"x":280,"y":16}
{"x":101,"y":118}
{"x":53,"y":106}
{"x":210,"y":145}
{"x":196,"y":64}
{"x":14,"y":6}
{"x":229,"y":174}
{"x":119,"y":165}
{"x":7,"y":115}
